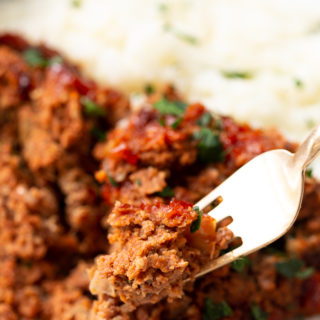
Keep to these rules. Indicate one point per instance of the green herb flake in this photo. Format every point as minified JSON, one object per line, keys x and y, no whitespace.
{"x":180,"y":34}
{"x":186,"y":37}
{"x":98,"y":133}
{"x":209,"y":147}
{"x":175,"y":124}
{"x":289,"y":268}
{"x":34,"y":58}
{"x":166,"y":192}
{"x":149,"y":89}
{"x":309,"y":173}
{"x":306,"y":273}
{"x":162,"y":122}
{"x":205,"y":119}
{"x":76,"y":3}
{"x":216,"y":311}
{"x":310,"y":123}
{"x":163,"y":7}
{"x":258,"y":314}
{"x":239,"y":264}
{"x":164,"y":106}
{"x":138,"y":182}
{"x":196,"y":223}
{"x":298,"y":83}
{"x":237,"y":75}
{"x":91,"y":108}
{"x":113,"y":182}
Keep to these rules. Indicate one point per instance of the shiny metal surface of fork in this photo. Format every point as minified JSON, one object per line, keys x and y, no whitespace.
{"x":263,"y":198}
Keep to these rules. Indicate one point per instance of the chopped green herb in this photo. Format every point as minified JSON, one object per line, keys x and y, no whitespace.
{"x":175,"y":124}
{"x":216,"y":311}
{"x":163,"y":7}
{"x":237,"y":74}
{"x":91,"y":108}
{"x":181,"y":35}
{"x":310,"y":123}
{"x":209,"y":147}
{"x":98,"y":133}
{"x":258,"y":314}
{"x":149,"y":89}
{"x":166,"y":192}
{"x":34,"y":58}
{"x":164,"y":106}
{"x":138,"y":181}
{"x":205,"y":120}
{"x":298,"y":83}
{"x":113,"y":182}
{"x":239,"y":264}
{"x":196,"y":223}
{"x":186,"y":37}
{"x":289,"y":268}
{"x":76,"y":3}
{"x":309,"y":173}
{"x":55,"y":60}
{"x":306,"y":273}
{"x":162,"y":122}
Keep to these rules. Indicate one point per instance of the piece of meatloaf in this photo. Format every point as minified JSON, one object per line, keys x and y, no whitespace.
{"x":154,"y":249}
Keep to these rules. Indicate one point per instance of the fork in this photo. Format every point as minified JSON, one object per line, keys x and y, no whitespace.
{"x":262,"y":198}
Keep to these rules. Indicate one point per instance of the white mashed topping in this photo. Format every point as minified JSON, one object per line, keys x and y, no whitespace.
{"x":191,"y":43}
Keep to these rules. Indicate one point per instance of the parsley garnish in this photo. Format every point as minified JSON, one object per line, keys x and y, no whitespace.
{"x":166,"y":192}
{"x":164,"y":106}
{"x":34,"y":58}
{"x":309,"y":173}
{"x":209,"y":147}
{"x":237,"y":74}
{"x":293,"y":268}
{"x":298,"y":83}
{"x":175,"y":124}
{"x":162,"y":122}
{"x":205,"y":119}
{"x":138,"y":181}
{"x":113,"y":182}
{"x":306,"y":273}
{"x":98,"y":133}
{"x":91,"y":108}
{"x":181,"y":35}
{"x":76,"y":3}
{"x":196,"y":223}
{"x":258,"y":314}
{"x":163,"y":7}
{"x":149,"y":89}
{"x":239,"y":264}
{"x":216,"y":311}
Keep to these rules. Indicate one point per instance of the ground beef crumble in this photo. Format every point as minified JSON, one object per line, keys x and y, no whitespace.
{"x":74,"y":199}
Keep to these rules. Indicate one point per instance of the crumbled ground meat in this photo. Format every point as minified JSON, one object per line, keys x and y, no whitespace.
{"x":55,"y":217}
{"x":153,"y":252}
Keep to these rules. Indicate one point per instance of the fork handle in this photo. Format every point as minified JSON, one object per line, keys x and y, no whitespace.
{"x":308,"y":150}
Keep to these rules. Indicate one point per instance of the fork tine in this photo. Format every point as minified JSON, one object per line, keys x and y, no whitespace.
{"x":208,"y":199}
{"x":219,"y":212}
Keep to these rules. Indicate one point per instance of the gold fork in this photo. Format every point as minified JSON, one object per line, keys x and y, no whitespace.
{"x":263,"y":198}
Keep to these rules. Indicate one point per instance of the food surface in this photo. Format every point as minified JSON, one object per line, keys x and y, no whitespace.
{"x":97,"y":195}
